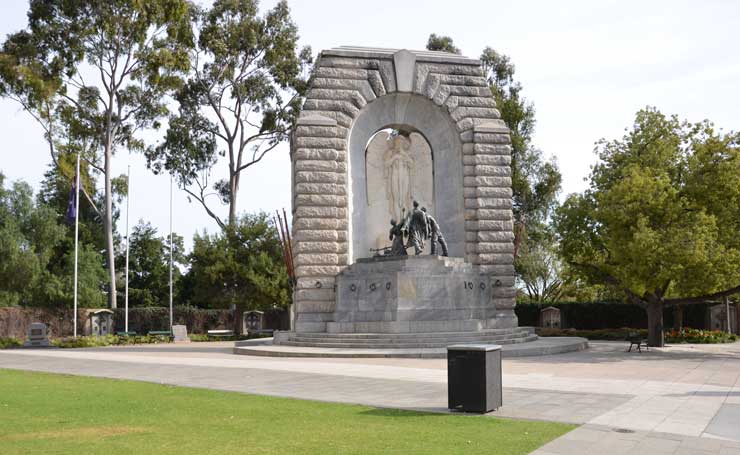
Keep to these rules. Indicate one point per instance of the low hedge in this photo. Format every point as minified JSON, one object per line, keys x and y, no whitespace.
{"x":10,"y":342}
{"x":620,"y":334}
{"x":689,"y":335}
{"x":109,"y":340}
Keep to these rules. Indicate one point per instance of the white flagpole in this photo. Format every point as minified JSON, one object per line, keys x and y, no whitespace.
{"x":128,"y":241}
{"x":77,"y":236}
{"x":170,"y":254}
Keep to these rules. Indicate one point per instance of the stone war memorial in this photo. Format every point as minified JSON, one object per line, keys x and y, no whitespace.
{"x":402,"y":220}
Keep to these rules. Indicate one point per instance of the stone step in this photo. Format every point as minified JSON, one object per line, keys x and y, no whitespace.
{"x":419,"y":339}
{"x":406,"y":345}
{"x":413,"y":335}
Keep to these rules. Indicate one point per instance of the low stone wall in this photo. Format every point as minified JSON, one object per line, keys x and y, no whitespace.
{"x":14,"y":321}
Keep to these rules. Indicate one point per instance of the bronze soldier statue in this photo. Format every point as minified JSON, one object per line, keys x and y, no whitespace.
{"x":418,"y":229}
{"x":396,"y":238}
{"x":436,"y":234}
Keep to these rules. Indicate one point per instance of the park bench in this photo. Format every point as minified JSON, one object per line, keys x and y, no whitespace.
{"x":160,"y":333}
{"x":126,"y":334}
{"x":220,"y":333}
{"x":636,"y":339}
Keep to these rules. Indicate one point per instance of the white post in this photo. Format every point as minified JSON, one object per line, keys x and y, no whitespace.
{"x":128,"y":241}
{"x":171,"y":254}
{"x":77,"y":236}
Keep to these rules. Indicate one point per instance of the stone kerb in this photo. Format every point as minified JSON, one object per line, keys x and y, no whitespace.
{"x":345,"y":81}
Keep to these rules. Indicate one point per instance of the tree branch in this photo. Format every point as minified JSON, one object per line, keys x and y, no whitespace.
{"x":702,"y":298}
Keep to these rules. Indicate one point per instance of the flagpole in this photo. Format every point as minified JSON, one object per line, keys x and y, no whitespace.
{"x":170,"y":254}
{"x":77,"y":237}
{"x":128,"y":241}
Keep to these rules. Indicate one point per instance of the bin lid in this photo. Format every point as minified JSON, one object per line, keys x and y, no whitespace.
{"x":474,"y":347}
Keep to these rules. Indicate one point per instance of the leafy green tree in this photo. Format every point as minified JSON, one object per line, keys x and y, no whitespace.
{"x":94,"y":73}
{"x":442,"y":43}
{"x":535,"y":180}
{"x":38,"y":258}
{"x":242,"y":96}
{"x":149,"y":265}
{"x":241,"y":265}
{"x":661,"y":216}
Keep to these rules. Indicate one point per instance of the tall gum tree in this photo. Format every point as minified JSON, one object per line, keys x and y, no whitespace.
{"x":241,"y":98}
{"x":105,"y":66}
{"x":660,"y":218}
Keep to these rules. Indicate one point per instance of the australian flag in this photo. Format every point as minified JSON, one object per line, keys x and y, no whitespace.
{"x":72,"y":206}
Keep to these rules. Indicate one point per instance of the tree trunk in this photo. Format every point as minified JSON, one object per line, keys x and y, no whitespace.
{"x":238,"y":316}
{"x":678,"y":317}
{"x":233,"y":188}
{"x":108,"y":225}
{"x":655,"y":323}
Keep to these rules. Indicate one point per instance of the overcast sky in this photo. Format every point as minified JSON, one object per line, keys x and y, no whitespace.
{"x":587,"y":66}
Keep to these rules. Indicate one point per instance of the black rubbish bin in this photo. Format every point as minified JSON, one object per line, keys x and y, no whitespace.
{"x":474,"y":377}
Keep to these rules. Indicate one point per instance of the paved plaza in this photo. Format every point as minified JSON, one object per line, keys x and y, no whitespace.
{"x":680,"y":400}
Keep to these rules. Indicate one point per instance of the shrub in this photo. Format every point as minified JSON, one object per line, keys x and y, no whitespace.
{"x":109,"y":340}
{"x":620,"y":334}
{"x":689,"y":335}
{"x":10,"y":342}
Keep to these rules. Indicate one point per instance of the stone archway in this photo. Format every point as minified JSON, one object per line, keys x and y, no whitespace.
{"x":355,"y":92}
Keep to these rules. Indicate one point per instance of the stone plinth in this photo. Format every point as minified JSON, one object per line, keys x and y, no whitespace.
{"x":38,"y":336}
{"x":414,"y":294}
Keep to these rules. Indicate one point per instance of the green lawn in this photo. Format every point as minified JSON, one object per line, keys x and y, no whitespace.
{"x":59,"y":414}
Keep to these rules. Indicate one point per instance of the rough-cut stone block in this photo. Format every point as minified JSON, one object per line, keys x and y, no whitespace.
{"x":439,"y":98}
{"x":320,"y":131}
{"x":353,"y":96}
{"x":315,"y":259}
{"x":487,"y":191}
{"x":312,"y":224}
{"x":488,"y":203}
{"x":490,"y":236}
{"x":346,"y":107}
{"x":489,"y":225}
{"x":320,"y":212}
{"x":494,"y":214}
{"x":491,"y":138}
{"x":315,"y":307}
{"x":376,"y":82}
{"x":489,"y":247}
{"x":320,"y":165}
{"x":487,"y":181}
{"x":315,"y":283}
{"x":316,"y":119}
{"x":475,"y":112}
{"x":317,"y":270}
{"x":321,"y":199}
{"x":320,"y":177}
{"x":492,"y":149}
{"x":476,"y":101}
{"x":492,"y":126}
{"x":487,"y":170}
{"x":491,"y":160}
{"x":315,"y":295}
{"x":341,"y":73}
{"x":320,"y":247}
{"x":320,"y":188}
{"x":497,"y":258}
{"x":319,"y":235}
{"x":320,"y":143}
{"x":464,"y":90}
{"x":361,"y":86}
{"x":320,"y":154}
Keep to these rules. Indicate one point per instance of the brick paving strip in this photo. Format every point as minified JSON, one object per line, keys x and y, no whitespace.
{"x":661,"y":403}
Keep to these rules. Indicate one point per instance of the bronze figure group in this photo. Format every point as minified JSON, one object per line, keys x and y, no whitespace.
{"x":418,"y":226}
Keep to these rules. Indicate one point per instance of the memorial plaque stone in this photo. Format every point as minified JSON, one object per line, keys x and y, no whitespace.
{"x":253,"y":321}
{"x":38,"y":336}
{"x":180,"y":332}
{"x":550,"y":317}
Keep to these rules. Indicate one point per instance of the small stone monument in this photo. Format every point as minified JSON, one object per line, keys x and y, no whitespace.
{"x":253,"y":321}
{"x":550,"y":317}
{"x":101,"y":323}
{"x":180,"y":332}
{"x":717,"y":316}
{"x":38,"y":336}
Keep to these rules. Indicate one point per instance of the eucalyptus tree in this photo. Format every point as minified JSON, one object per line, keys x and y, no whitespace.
{"x":241,"y":98}
{"x":94,"y":73}
{"x":660,"y":219}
